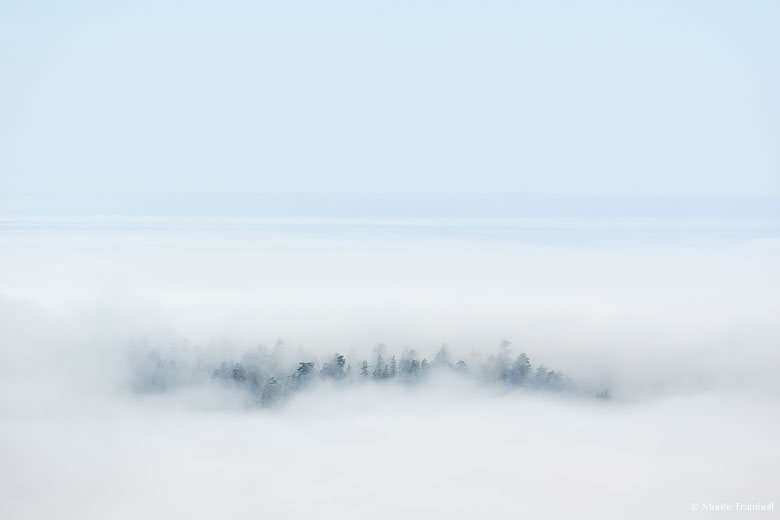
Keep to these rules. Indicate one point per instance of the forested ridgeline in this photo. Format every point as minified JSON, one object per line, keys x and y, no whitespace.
{"x":270,"y":376}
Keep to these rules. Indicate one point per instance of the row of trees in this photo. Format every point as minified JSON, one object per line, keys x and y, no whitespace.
{"x":267,"y":381}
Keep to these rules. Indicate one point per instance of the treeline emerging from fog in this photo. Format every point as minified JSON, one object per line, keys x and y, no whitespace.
{"x":270,"y":377}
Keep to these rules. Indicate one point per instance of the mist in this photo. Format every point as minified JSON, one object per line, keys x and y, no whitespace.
{"x":682,"y":332}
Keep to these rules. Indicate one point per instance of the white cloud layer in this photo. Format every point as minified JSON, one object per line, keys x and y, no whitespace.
{"x":686,"y":336}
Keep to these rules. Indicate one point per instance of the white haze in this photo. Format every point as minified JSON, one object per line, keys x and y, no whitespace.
{"x":683,"y":330}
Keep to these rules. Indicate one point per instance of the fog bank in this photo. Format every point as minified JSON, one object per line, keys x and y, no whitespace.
{"x":684,"y":333}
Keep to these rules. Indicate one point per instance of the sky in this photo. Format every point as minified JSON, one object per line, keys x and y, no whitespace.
{"x":637,"y":98}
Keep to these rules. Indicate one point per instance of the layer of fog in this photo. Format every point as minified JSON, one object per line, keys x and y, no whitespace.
{"x":686,"y":335}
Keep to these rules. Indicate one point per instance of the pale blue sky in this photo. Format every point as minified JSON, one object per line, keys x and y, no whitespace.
{"x":553,"y":97}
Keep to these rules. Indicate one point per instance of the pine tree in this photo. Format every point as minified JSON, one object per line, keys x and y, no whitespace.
{"x":335,"y":368}
{"x":379,"y":370}
{"x":222,"y":372}
{"x":442,"y":357}
{"x":239,"y":373}
{"x":521,"y":370}
{"x":540,"y":378}
{"x":271,"y":392}
{"x":304,"y":373}
{"x":503,"y":369}
{"x":554,"y":381}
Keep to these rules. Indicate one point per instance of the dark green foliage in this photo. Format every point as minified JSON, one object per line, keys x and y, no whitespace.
{"x":304,"y":374}
{"x":271,"y":393}
{"x":503,"y":369}
{"x":409,"y":367}
{"x":540,"y":378}
{"x":555,"y":381}
{"x":520,"y":373}
{"x":239,"y":373}
{"x":380,"y":371}
{"x":258,"y":373}
{"x":335,"y":368}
